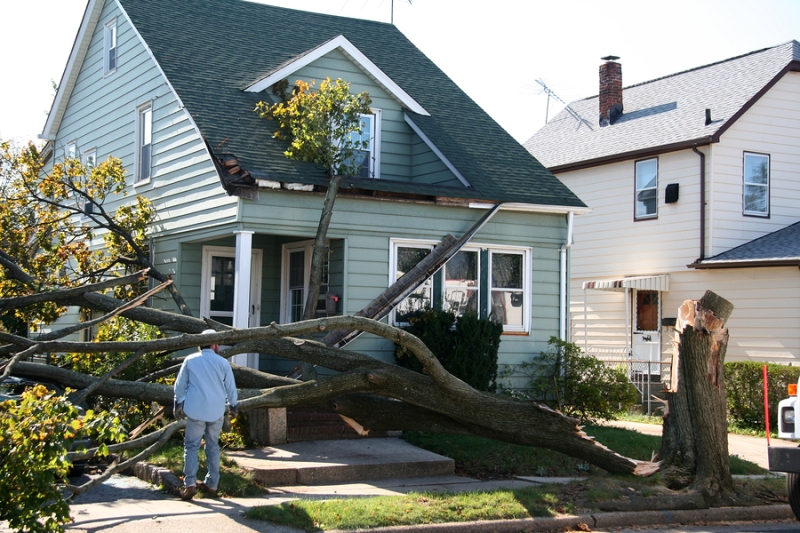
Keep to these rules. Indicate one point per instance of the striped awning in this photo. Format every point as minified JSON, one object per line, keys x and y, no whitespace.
{"x":642,"y":283}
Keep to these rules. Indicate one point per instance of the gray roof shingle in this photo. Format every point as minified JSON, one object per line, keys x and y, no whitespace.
{"x":781,"y":246}
{"x":211,"y":49}
{"x":668,"y":111}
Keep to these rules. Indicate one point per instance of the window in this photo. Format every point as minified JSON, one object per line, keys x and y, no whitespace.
{"x":110,"y":47}
{"x":756,"y":184}
{"x":461,"y":285}
{"x":71,"y":150}
{"x":406,"y":258}
{"x":144,"y":141}
{"x":462,"y":282}
{"x":90,"y":159}
{"x":368,"y":157}
{"x":646,"y":204}
{"x":507,"y":288}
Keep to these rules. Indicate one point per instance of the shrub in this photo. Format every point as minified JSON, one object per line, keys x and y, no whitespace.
{"x":577,"y":384}
{"x":744,"y":385}
{"x":467,"y":347}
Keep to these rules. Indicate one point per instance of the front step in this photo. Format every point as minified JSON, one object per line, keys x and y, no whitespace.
{"x":308,"y":424}
{"x":340,"y":461}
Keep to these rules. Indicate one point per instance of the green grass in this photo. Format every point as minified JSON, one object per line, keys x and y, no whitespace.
{"x":413,"y":508}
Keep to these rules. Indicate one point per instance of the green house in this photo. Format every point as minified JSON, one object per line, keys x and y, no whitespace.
{"x":170,"y":87}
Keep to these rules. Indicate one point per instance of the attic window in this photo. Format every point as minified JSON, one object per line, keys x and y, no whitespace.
{"x":368,"y":158}
{"x":110,"y":47}
{"x":144,"y":142}
{"x":756,"y":184}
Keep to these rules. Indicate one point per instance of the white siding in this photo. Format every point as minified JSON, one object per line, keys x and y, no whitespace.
{"x":771,"y":126}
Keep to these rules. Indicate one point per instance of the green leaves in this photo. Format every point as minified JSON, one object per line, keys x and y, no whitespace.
{"x":322,"y":126}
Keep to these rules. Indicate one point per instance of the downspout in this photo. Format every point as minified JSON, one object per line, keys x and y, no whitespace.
{"x":563,"y":290}
{"x":702,"y":203}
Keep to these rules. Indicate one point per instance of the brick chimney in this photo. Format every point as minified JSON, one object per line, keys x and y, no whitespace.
{"x":610,"y":90}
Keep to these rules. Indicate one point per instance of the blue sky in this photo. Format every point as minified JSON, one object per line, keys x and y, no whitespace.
{"x":494,"y":50}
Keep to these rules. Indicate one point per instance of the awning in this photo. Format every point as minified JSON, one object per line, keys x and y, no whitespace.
{"x":642,"y":283}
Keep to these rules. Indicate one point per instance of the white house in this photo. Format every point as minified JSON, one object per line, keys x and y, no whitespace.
{"x":693,"y":180}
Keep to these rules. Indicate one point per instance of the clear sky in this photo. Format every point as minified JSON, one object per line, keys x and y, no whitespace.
{"x":494,"y":49}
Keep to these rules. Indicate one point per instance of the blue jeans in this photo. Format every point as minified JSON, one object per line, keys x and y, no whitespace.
{"x":195,"y":430}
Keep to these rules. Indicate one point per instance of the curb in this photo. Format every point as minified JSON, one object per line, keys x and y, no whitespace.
{"x":158,"y":476}
{"x":599,"y":521}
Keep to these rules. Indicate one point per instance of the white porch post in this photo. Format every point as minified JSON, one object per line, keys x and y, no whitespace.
{"x":241,"y":292}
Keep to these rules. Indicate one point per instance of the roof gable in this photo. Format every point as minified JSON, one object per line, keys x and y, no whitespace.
{"x":341,"y":43}
{"x":222,"y":47}
{"x":664,"y":114}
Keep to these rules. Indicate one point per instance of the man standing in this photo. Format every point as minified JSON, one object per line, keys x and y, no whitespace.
{"x":204,"y":383}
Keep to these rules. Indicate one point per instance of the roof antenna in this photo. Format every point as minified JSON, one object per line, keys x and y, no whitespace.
{"x":409,"y":3}
{"x":549,"y":92}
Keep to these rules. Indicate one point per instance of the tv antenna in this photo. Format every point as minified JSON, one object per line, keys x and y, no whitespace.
{"x":549,"y":92}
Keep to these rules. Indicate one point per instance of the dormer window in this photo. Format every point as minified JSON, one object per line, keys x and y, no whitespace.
{"x":110,"y":47}
{"x":368,"y":156}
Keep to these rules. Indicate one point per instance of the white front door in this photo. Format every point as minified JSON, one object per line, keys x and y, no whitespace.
{"x":217,"y":284}
{"x":646,"y":326}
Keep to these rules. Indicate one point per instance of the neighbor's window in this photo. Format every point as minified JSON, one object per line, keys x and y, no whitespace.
{"x":144,"y":144}
{"x":368,"y":157}
{"x":646,"y":204}
{"x":110,"y":47}
{"x":756,"y":184}
{"x":90,"y":159}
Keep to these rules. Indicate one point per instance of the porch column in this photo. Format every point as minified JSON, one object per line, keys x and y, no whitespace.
{"x":241,"y":292}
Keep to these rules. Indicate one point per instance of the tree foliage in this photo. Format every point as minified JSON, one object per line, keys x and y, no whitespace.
{"x":578,"y":384}
{"x":322,"y":125}
{"x":36,"y":434}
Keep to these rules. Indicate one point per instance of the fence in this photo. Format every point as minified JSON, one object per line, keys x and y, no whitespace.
{"x":647,"y":376}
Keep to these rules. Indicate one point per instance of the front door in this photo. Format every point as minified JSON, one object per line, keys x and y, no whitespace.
{"x":646,"y":330}
{"x":217,"y":285}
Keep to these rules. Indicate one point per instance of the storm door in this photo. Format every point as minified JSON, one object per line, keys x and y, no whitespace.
{"x":218,"y":281}
{"x":646,"y":324}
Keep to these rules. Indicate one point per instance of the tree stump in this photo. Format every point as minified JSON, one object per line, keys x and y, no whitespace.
{"x":694,"y":447}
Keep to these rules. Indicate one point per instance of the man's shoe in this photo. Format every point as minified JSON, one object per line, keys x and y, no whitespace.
{"x":205,"y":488}
{"x":188,"y":493}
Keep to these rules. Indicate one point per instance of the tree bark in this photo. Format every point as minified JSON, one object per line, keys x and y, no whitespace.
{"x":694,"y":449}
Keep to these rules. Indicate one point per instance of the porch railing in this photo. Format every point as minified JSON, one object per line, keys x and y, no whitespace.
{"x":647,"y":376}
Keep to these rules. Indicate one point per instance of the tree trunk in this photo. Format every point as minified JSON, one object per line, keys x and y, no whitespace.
{"x":694,"y":449}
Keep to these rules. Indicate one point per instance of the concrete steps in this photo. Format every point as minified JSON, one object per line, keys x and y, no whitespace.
{"x":324,"y":462}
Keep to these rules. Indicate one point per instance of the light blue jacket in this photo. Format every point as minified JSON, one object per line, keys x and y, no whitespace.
{"x":204,"y":383}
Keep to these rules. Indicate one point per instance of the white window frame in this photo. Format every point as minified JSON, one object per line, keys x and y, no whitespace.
{"x":71,"y":150}
{"x":110,"y":46}
{"x":527,"y":294}
{"x":745,"y":184}
{"x":307,"y":247}
{"x":89,"y":160}
{"x":144,"y":132}
{"x":638,"y":190}
{"x":406,"y":243}
{"x":373,"y":146}
{"x":483,"y":291}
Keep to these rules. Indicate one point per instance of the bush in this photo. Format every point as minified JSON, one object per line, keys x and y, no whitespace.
{"x":577,"y":384}
{"x":467,"y":347}
{"x":744,"y":385}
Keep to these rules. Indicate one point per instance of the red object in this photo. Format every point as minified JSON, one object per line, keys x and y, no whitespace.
{"x":766,"y":403}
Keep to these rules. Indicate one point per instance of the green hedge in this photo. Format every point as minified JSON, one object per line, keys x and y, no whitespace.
{"x":467,"y":347}
{"x":744,"y":385}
